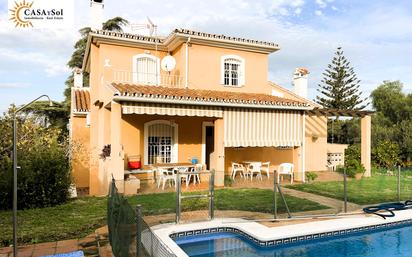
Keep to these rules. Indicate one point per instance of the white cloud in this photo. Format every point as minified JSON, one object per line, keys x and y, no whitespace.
{"x":318,"y":12}
{"x":321,"y":3}
{"x":14,"y":85}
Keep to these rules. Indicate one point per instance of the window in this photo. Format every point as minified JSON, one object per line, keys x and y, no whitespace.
{"x":160,"y":142}
{"x":146,"y":69}
{"x":232,"y":71}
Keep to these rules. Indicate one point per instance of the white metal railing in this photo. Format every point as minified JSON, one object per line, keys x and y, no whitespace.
{"x":143,"y":78}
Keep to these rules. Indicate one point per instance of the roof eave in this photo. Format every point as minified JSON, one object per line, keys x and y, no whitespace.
{"x":176,"y":39}
{"x":119,"y":98}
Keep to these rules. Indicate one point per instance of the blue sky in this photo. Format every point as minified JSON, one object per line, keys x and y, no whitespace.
{"x":375,"y":35}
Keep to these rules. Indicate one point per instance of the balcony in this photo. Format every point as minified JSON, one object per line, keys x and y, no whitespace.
{"x":160,"y":79}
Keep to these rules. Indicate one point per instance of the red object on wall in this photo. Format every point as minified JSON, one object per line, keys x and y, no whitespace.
{"x":133,"y":165}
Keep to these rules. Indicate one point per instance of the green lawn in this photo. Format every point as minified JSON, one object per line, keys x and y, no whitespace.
{"x":376,"y":189}
{"x":82,"y":216}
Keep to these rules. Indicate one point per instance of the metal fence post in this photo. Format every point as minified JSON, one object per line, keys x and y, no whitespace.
{"x":212,"y":195}
{"x":138,"y":230}
{"x":399,"y":183}
{"x":178,"y":196}
{"x":275,"y":201}
{"x":345,"y":195}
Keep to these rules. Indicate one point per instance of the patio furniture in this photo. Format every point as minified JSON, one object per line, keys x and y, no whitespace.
{"x":285,"y":169}
{"x":164,"y":175}
{"x":237,"y":167}
{"x":185,"y":177}
{"x":197,"y":168}
{"x":254,"y":167}
{"x":266,"y":168}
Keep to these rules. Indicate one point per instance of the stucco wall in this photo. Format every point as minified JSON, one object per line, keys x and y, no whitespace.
{"x":205,"y":69}
{"x":189,"y":135}
{"x":316,"y":143}
{"x":81,"y":151}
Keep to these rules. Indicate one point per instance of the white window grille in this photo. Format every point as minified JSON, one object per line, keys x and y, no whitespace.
{"x":233,"y":71}
{"x":146,"y":69}
{"x":160,"y":142}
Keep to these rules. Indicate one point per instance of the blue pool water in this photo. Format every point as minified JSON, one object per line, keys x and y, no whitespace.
{"x":388,"y":243}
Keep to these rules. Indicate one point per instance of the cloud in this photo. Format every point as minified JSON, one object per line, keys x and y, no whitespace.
{"x":318,"y":12}
{"x":14,"y":85}
{"x":321,"y":3}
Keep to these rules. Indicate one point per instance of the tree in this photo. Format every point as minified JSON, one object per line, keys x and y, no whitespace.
{"x":55,"y":116}
{"x":340,"y":86}
{"x":115,"y":24}
{"x":43,"y":155}
{"x":392,"y":123}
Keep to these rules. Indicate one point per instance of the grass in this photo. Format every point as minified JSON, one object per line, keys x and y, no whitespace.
{"x":377,"y":189}
{"x":82,"y":216}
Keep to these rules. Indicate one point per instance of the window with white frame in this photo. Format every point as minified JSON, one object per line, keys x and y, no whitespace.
{"x":160,"y":142}
{"x":232,"y":70}
{"x":146,"y":69}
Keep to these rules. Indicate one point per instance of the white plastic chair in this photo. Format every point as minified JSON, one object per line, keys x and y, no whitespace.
{"x":254,"y":167}
{"x":184,"y":177}
{"x":237,"y":167}
{"x":266,"y":168}
{"x":198,"y":168}
{"x":164,"y":175}
{"x":285,"y":169}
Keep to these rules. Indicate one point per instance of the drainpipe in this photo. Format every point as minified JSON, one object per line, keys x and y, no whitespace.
{"x":187,"y":64}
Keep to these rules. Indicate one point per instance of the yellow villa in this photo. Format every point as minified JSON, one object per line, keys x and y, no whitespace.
{"x":190,"y":95}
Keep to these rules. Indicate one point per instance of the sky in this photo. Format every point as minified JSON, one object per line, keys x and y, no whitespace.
{"x":376,"y":36}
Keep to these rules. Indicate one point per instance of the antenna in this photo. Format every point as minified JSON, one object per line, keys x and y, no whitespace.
{"x":149,"y":25}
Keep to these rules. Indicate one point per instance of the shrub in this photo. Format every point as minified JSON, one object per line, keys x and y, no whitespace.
{"x":386,"y":154}
{"x":311,"y":176}
{"x":353,"y":163}
{"x":44,"y":177}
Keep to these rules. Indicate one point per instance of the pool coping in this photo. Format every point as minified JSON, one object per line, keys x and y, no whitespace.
{"x":282,"y":235}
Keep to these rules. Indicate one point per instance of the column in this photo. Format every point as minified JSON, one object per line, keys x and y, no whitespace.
{"x":366,"y":144}
{"x":116,"y":162}
{"x":218,"y":161}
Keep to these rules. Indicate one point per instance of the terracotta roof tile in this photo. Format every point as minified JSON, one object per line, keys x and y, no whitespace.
{"x":214,"y":96}
{"x":81,"y":100}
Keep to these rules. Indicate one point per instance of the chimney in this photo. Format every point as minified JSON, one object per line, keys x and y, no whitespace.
{"x":78,"y":77}
{"x":300,"y":82}
{"x":96,"y":14}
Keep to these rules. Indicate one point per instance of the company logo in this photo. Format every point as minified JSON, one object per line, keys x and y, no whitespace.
{"x":40,"y":13}
{"x":17,"y":14}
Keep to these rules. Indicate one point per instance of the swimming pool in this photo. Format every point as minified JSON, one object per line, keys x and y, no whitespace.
{"x":381,"y":243}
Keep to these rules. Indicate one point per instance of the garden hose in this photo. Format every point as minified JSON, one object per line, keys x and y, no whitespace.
{"x":388,"y":208}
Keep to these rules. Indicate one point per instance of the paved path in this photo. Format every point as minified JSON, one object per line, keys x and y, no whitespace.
{"x":327,"y":201}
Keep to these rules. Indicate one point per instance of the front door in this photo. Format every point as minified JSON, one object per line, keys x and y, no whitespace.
{"x":210,"y":144}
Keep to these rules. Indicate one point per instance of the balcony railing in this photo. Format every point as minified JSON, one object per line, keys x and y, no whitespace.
{"x":142,"y":78}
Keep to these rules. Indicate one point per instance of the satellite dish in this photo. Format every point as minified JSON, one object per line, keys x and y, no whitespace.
{"x":168,"y":63}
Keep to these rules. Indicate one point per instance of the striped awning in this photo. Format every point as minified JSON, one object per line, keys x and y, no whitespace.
{"x":172,"y":109}
{"x":262,"y":128}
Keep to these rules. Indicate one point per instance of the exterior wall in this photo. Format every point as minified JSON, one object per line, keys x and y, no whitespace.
{"x":189,"y":135}
{"x":316,"y":143}
{"x":121,"y":61}
{"x":94,"y":120}
{"x":205,"y":69}
{"x":336,"y":148}
{"x":80,"y":138}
